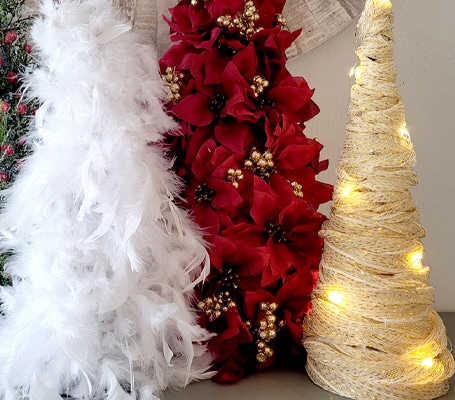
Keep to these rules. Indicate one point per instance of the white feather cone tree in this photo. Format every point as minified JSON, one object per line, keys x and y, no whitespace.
{"x":104,"y":262}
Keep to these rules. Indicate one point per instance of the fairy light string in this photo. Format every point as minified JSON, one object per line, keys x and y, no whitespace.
{"x":372,"y":332}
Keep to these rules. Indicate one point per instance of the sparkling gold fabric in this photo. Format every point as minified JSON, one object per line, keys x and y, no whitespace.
{"x":372,"y":333}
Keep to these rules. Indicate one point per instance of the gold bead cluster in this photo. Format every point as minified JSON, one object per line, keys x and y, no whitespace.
{"x":259,"y":84}
{"x":260,"y":163}
{"x":243,"y":22}
{"x":297,"y":188}
{"x":266,"y":332}
{"x":217,"y":305}
{"x":280,"y":20}
{"x":234,"y":176}
{"x":173,"y":81}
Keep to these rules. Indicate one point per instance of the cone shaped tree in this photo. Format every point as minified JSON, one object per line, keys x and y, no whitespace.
{"x":104,"y":263}
{"x":251,"y":174}
{"x":372,"y":332}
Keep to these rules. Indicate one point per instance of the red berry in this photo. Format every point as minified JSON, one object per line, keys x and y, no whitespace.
{"x":4,"y":177}
{"x":7,"y":149}
{"x":1,"y":61}
{"x":21,"y":109}
{"x":11,"y":77}
{"x":28,"y":48}
{"x":5,"y":107}
{"x":10,"y":37}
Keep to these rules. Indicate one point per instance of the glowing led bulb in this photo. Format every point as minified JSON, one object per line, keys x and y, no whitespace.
{"x":336,"y":297}
{"x":416,"y":259}
{"x":357,"y":72}
{"x":427,"y":362}
{"x":384,"y":2}
{"x":352,"y":72}
{"x":405,"y":133}
{"x":347,"y":189}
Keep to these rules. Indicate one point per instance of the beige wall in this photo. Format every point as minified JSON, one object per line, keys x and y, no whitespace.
{"x":425,"y":56}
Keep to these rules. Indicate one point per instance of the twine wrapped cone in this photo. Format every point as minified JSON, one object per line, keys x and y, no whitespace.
{"x":372,"y":333}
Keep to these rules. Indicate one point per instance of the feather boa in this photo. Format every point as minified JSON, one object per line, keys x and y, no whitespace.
{"x":105,"y":263}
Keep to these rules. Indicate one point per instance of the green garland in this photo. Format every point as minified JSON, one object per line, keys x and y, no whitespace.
{"x":15,"y":113}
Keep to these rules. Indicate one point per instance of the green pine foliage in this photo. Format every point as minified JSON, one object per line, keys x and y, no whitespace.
{"x":15,"y":113}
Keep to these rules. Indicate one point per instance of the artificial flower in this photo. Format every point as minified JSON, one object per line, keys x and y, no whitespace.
{"x":250,"y":175}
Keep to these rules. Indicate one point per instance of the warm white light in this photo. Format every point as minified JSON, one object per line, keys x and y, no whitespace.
{"x":384,"y":2}
{"x":427,"y":362}
{"x":404,"y":132}
{"x":347,"y":190}
{"x":416,"y":259}
{"x":357,"y":72}
{"x":352,"y":72}
{"x":336,"y":297}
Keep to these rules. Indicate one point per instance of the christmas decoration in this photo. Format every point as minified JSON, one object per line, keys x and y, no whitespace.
{"x":250,"y":174}
{"x":14,"y":112}
{"x":372,"y":332}
{"x":104,"y":263}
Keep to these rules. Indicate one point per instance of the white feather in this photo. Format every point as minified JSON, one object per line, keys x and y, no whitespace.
{"x":39,"y":391}
{"x":104,"y":262}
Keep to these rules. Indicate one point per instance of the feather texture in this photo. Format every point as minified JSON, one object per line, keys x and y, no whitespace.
{"x":104,"y":262}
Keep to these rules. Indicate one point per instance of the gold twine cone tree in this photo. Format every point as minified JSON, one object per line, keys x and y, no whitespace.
{"x":372,"y":333}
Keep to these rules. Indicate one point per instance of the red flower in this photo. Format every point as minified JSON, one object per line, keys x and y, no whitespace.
{"x":286,"y":226}
{"x":296,"y":158}
{"x":11,"y":77}
{"x":7,"y":149}
{"x":189,"y":23}
{"x":4,"y":106}
{"x":22,"y":109}
{"x":4,"y":177}
{"x":10,"y":36}
{"x":210,"y":195}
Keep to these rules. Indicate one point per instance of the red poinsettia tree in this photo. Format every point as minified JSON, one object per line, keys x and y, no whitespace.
{"x":250,"y":175}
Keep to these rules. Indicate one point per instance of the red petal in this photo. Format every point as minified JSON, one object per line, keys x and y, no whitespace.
{"x":280,"y":259}
{"x":233,"y":136}
{"x":226,"y":196}
{"x":203,"y":158}
{"x":214,"y":67}
{"x":264,"y":207}
{"x":251,"y":261}
{"x":221,"y":251}
{"x":207,"y":220}
{"x":179,"y":55}
{"x":246,"y":62}
{"x":194,"y":109}
{"x":295,"y":294}
{"x":197,"y":140}
{"x":252,"y":301}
